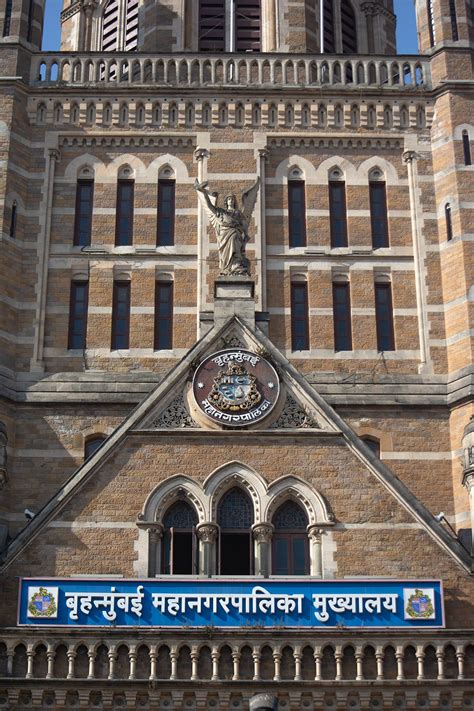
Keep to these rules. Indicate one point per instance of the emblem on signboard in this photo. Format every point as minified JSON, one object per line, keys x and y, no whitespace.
{"x":235,"y":387}
{"x":419,"y":604}
{"x":42,"y":602}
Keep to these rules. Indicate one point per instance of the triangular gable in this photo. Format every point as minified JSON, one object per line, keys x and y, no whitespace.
{"x":151,"y":413}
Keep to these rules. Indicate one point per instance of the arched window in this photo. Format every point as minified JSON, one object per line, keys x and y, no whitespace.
{"x":466,"y":145}
{"x":348,"y":28}
{"x":235,"y":518}
{"x":372,"y":443}
{"x":449,"y":224}
{"x":92,"y":444}
{"x":290,"y":540}
{"x":13,"y":219}
{"x":328,"y":37}
{"x":454,"y":20}
{"x":179,"y":540}
{"x":431,"y":26}
{"x":110,"y":22}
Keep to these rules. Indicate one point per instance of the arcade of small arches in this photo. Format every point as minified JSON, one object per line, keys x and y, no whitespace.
{"x":234,"y":525}
{"x":241,"y":660}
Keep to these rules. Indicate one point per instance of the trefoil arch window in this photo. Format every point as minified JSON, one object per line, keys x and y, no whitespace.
{"x":235,"y":517}
{"x":290,"y":540}
{"x":179,"y":555}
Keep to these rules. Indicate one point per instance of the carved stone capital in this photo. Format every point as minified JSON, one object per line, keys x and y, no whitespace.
{"x":154,"y":529}
{"x":262,"y":532}
{"x":54,"y":153}
{"x":315,"y":534}
{"x":410,"y":156}
{"x":263,"y":153}
{"x":207,"y":532}
{"x":201,"y":154}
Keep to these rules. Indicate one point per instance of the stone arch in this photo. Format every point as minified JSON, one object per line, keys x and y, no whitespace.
{"x":165,"y":494}
{"x":179,"y":167}
{"x":77,"y":166}
{"x":348,"y":169}
{"x":305,"y":166}
{"x":385,"y":438}
{"x":458,"y":131}
{"x":123,"y":161}
{"x":389,"y":171}
{"x":292,"y":488}
{"x":227,"y":477}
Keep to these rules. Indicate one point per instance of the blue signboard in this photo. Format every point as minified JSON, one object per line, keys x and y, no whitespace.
{"x":231,"y":603}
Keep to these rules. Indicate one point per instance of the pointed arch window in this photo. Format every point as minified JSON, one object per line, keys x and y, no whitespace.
{"x":235,"y":518}
{"x":466,"y":145}
{"x":328,"y":37}
{"x":290,"y":540}
{"x":179,"y":540}
{"x":92,"y":444}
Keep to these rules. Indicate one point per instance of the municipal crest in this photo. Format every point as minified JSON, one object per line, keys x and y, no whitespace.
{"x":235,"y":387}
{"x":419,"y":604}
{"x":42,"y":602}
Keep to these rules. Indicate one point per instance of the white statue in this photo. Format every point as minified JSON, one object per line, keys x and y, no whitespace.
{"x":230,"y":225}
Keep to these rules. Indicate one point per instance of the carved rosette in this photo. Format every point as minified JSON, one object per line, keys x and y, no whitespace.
{"x":262,"y":532}
{"x":207,"y":532}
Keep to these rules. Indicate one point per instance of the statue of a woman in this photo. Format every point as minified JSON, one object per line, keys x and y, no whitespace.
{"x":230,"y":225}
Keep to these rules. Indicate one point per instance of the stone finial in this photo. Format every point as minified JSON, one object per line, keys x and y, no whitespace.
{"x":263,"y":702}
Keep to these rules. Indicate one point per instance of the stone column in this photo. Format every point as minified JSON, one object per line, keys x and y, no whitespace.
{"x":201,"y":155}
{"x":155,"y":534}
{"x":368,"y":9}
{"x":89,"y":7}
{"x":43,"y":258}
{"x":468,"y":471}
{"x":316,"y":551}
{"x":207,"y":536}
{"x":410,"y":158}
{"x":261,"y":251}
{"x":270,"y":25}
{"x":262,"y":536}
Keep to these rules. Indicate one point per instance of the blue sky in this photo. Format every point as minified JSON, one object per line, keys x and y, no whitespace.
{"x":406,"y":30}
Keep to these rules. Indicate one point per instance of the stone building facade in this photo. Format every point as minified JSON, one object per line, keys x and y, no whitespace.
{"x":360,"y":296}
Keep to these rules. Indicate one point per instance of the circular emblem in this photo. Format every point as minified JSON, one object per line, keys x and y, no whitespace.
{"x":236,"y":387}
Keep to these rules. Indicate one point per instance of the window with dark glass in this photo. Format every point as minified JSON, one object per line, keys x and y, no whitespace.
{"x":373,"y":444}
{"x":454,"y":20}
{"x":212,"y":25}
{"x":166,"y":202}
{"x":8,"y":18}
{"x":124,"y":215}
{"x":84,"y":205}
{"x":378,"y":214}
{"x":13,"y":218}
{"x":179,"y":540}
{"x":78,"y":315}
{"x":384,"y":317}
{"x":248,"y":28}
{"x":342,"y":316}
{"x":163,"y":315}
{"x":338,"y":213}
{"x":235,"y":519}
{"x":449,"y":223}
{"x":290,"y":541}
{"x":348,"y":28}
{"x":297,"y":213}
{"x":299,"y":316}
{"x":466,"y":145}
{"x":92,"y":445}
{"x":121,"y":315}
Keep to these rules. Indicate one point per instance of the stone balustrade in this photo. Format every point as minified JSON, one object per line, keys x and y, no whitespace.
{"x":215,"y":655}
{"x":250,"y":71}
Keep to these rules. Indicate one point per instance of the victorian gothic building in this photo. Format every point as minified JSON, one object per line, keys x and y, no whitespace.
{"x":236,"y":345}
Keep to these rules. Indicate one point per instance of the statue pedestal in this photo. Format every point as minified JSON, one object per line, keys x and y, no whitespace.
{"x":234,"y":296}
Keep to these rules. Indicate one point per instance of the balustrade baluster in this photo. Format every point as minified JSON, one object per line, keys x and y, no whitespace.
{"x":71,"y":655}
{"x":379,"y":656}
{"x":91,"y":656}
{"x":30,"y":655}
{"x":277,"y":665}
{"x":440,"y":660}
{"x":153,"y":662}
{"x":420,"y":655}
{"x":399,"y":658}
{"x":194,"y":664}
{"x":174,"y":664}
{"x":359,"y":662}
{"x":298,"y":659}
{"x":50,"y":655}
{"x":132,"y":655}
{"x":215,"y":664}
{"x":256,"y":664}
{"x":461,"y":658}
{"x":112,"y":655}
{"x":318,"y":658}
{"x":338,"y":656}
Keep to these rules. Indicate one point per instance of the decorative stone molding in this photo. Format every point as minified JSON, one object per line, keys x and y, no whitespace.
{"x":174,"y":417}
{"x":295,"y":417}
